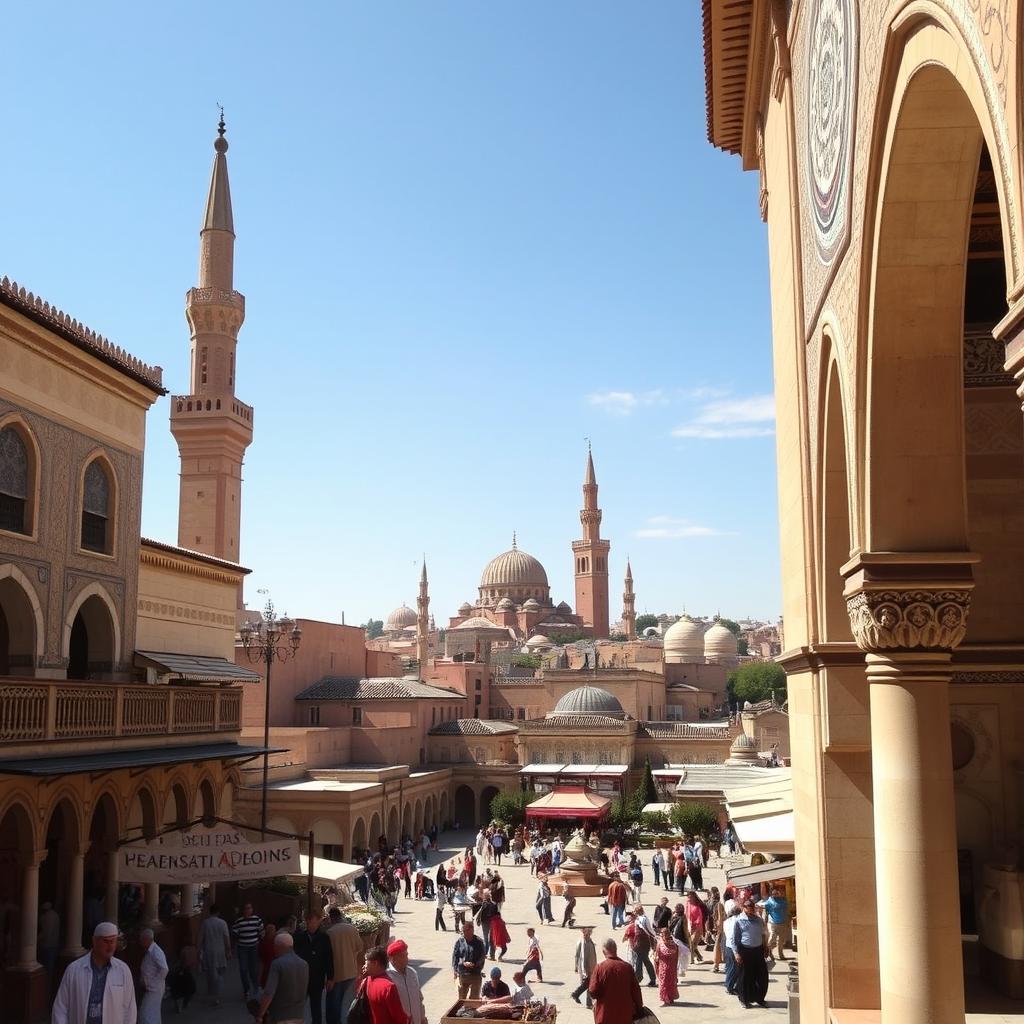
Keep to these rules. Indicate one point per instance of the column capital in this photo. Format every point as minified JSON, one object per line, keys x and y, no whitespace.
{"x":909,"y":601}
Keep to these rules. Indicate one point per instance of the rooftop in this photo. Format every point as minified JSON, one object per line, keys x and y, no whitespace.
{"x":684,"y":730}
{"x":473,"y":727}
{"x":53,"y":319}
{"x":576,"y":722}
{"x":382,"y":688}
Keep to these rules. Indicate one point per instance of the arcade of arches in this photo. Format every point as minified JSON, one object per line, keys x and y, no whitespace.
{"x":891,"y":187}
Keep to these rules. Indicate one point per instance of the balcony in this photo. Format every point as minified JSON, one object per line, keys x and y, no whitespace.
{"x":70,"y":713}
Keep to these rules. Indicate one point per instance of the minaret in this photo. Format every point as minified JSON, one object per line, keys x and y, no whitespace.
{"x":591,"y":555}
{"x":422,"y":618}
{"x":629,"y":604}
{"x":212,"y":427}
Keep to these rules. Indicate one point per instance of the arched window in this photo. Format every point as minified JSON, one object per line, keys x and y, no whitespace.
{"x":96,"y":509}
{"x":14,"y":482}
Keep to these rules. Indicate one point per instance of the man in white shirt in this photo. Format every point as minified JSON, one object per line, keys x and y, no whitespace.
{"x":153,"y":973}
{"x":97,"y":986}
{"x":407,"y":982}
{"x":732,"y":911}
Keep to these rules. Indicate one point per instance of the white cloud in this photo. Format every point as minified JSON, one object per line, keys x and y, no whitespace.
{"x":672,"y":528}
{"x":623,"y":403}
{"x":705,"y":392}
{"x":753,"y":416}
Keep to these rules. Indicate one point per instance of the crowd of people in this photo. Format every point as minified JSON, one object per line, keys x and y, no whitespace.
{"x":320,"y":963}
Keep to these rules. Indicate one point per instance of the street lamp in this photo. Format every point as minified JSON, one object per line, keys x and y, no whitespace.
{"x":264,"y":640}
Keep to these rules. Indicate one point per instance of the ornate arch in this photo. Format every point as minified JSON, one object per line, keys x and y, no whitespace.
{"x":10,"y":571}
{"x":94,"y":589}
{"x":35,"y":469}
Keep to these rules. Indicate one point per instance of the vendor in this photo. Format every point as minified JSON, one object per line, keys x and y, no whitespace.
{"x":520,"y":995}
{"x":495,"y":988}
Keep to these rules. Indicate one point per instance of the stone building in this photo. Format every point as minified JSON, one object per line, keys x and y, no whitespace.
{"x":886,"y":139}
{"x":118,"y":712}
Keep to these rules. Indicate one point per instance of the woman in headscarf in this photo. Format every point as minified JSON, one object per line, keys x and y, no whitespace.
{"x":666,"y":955}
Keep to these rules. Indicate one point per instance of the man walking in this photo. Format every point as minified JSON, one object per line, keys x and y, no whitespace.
{"x":586,"y":961}
{"x":658,"y":865}
{"x":748,"y":948}
{"x":614,"y":988}
{"x":381,"y":991}
{"x":407,"y":981}
{"x":153,"y":975}
{"x":777,"y":908}
{"x":468,"y":958}
{"x":315,"y":948}
{"x":214,"y":952}
{"x":284,"y":995}
{"x":643,"y":942}
{"x":348,"y":954}
{"x":248,"y":930}
{"x":97,"y":986}
{"x":732,"y":910}
{"x":617,"y":901}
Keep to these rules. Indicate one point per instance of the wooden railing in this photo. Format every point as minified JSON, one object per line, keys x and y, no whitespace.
{"x":32,"y":710}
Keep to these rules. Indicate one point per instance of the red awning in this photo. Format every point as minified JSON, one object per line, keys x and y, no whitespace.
{"x":569,"y":802}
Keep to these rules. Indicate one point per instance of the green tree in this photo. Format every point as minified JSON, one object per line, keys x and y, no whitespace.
{"x":526,"y":660}
{"x":654,"y":821}
{"x":647,"y":791}
{"x":374,"y":628}
{"x":509,"y":806}
{"x":696,"y":820}
{"x":730,"y":624}
{"x":644,"y":621}
{"x":742,"y":647}
{"x":756,"y":681}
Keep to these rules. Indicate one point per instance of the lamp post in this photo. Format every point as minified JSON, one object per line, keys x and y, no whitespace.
{"x":264,"y":640}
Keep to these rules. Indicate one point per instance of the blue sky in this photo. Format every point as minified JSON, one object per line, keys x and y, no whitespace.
{"x":469,"y":235}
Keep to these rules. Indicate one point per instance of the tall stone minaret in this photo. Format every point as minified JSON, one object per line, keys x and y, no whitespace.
{"x":629,"y":604}
{"x":591,"y":554}
{"x":212,"y":427}
{"x":422,"y":618}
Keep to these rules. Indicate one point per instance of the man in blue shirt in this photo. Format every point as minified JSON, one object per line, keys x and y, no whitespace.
{"x":777,"y":909}
{"x":747,"y":943}
{"x":468,"y":958}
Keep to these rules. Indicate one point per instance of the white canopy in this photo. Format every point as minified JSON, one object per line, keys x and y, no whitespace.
{"x":328,"y":872}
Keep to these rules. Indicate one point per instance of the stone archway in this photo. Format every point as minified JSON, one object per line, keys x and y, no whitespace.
{"x":21,"y":624}
{"x":92,"y":645}
{"x":359,"y":839}
{"x":394,"y":826}
{"x":486,"y":796}
{"x":464,"y":807}
{"x":376,"y":830}
{"x":19,"y":887}
{"x":407,"y":822}
{"x":417,"y":819}
{"x":100,"y":868}
{"x":442,"y":813}
{"x":60,"y":874}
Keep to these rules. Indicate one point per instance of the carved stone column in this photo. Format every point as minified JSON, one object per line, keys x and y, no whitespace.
{"x":29,"y":911}
{"x":908,"y":612}
{"x":76,"y":897}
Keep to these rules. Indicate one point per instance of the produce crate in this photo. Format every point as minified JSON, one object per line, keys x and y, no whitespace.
{"x":450,"y":1018}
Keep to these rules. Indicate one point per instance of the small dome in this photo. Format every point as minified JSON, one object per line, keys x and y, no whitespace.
{"x":465,"y":608}
{"x":720,"y":644}
{"x":514,"y":568}
{"x":531,"y":605}
{"x":743,"y":751}
{"x":399,"y":619}
{"x":564,"y":606}
{"x":651,"y":631}
{"x":478,"y":622}
{"x":589,"y":700}
{"x":505,"y":605}
{"x":538,"y":640}
{"x":684,"y":641}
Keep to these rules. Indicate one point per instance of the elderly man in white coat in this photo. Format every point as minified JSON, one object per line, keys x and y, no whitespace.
{"x":153,"y":973}
{"x":97,"y":986}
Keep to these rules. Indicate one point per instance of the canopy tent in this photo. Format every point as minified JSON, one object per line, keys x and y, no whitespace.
{"x":569,"y":802}
{"x":763,"y":816}
{"x":328,"y":872}
{"x":658,"y":808}
{"x":773,"y":871}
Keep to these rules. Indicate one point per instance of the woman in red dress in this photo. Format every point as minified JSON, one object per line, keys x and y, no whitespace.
{"x":666,"y":955}
{"x":500,"y":937}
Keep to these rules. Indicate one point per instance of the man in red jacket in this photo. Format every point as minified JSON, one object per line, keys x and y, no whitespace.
{"x":381,"y":992}
{"x":617,"y":902}
{"x":614,"y":989}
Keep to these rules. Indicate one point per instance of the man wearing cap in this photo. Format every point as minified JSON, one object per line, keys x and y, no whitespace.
{"x":97,"y":987}
{"x":407,"y":981}
{"x":586,"y":961}
{"x":381,"y":992}
{"x":495,"y":988}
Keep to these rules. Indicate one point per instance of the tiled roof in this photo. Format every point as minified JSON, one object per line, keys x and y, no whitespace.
{"x":53,"y":319}
{"x":198,"y":668}
{"x":472,"y":727}
{"x":576,"y":722}
{"x":199,"y":556}
{"x":684,"y":730}
{"x":382,"y":688}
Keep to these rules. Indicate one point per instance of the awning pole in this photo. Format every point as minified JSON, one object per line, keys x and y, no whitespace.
{"x":309,"y":888}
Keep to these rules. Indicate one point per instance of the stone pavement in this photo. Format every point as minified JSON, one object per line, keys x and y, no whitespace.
{"x":702,"y":995}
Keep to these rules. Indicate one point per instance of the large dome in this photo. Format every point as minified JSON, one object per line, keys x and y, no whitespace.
{"x":684,"y":642}
{"x":514,"y":568}
{"x":399,"y":619}
{"x":589,"y":700}
{"x":720,"y":645}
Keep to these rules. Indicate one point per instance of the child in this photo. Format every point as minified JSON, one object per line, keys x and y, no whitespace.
{"x":534,"y":955}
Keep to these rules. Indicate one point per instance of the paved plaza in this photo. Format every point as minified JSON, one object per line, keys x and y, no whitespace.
{"x":702,"y":996}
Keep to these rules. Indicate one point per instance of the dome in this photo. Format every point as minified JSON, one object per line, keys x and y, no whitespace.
{"x":514,"y":568}
{"x":531,"y":605}
{"x":589,"y":700}
{"x":684,"y":641}
{"x":506,"y":605}
{"x":719,"y":644}
{"x":478,"y":622}
{"x":564,"y":606}
{"x":399,"y":619}
{"x":465,"y":608}
{"x":743,"y":750}
{"x":538,"y":640}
